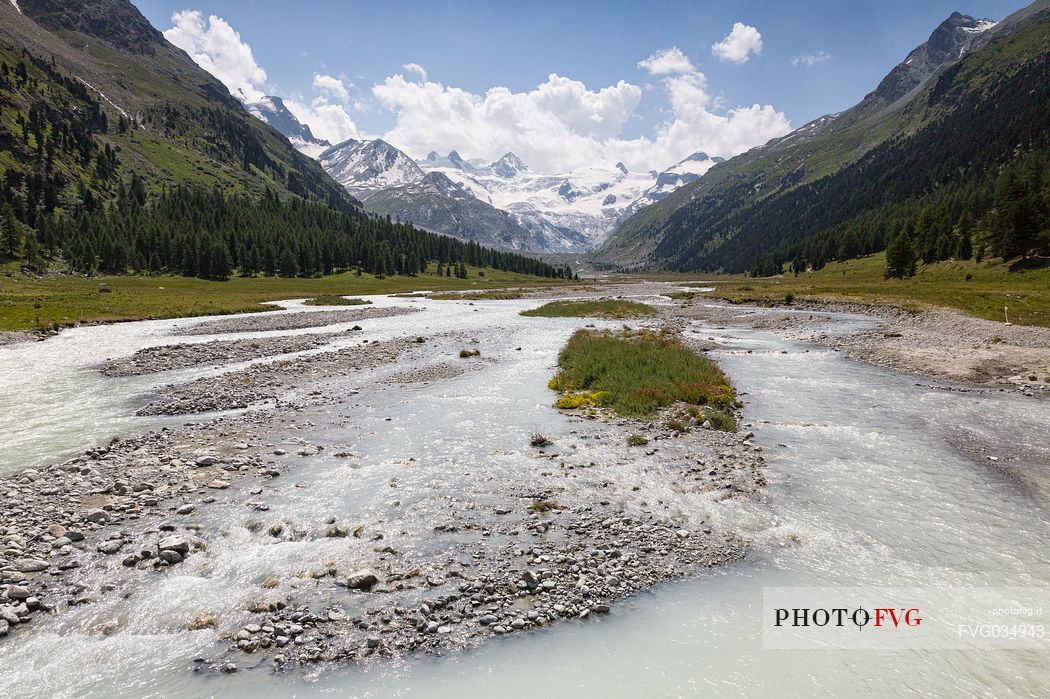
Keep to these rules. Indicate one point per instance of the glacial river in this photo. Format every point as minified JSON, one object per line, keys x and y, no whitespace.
{"x":865,"y":490}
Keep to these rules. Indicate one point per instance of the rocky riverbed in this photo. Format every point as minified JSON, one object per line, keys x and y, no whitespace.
{"x":935,"y":343}
{"x":151,"y":360}
{"x":273,"y":382}
{"x":437,"y":570}
{"x":263,"y":322}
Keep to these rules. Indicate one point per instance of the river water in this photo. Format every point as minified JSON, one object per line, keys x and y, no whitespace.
{"x":864,"y":490}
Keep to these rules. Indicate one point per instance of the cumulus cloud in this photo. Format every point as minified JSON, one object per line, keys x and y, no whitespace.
{"x":809,"y":59}
{"x":561,"y":124}
{"x":331,"y":86}
{"x":667,"y":61}
{"x":217,"y":48}
{"x":326,"y":119}
{"x":739,"y":44}
{"x":416,"y":69}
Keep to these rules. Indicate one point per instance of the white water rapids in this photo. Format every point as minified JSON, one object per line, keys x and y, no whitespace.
{"x":864,"y":489}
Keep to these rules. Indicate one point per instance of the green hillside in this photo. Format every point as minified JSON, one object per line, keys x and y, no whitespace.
{"x":953,"y":164}
{"x":120,"y":154}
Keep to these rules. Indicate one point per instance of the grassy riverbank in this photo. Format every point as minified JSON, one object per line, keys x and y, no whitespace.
{"x":637,"y":373}
{"x":29,"y":303}
{"x":612,"y":309}
{"x":991,"y":285}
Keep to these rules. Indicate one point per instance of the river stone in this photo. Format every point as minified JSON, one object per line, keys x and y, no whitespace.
{"x":56,"y":530}
{"x":170,"y":556}
{"x":98,"y":516}
{"x":361,"y":580}
{"x":174,"y":543}
{"x":3,"y":628}
{"x":74,"y":535}
{"x":110,"y":546}
{"x":17,"y":592}
{"x":31,"y":565}
{"x":207,"y":461}
{"x":8,"y":615}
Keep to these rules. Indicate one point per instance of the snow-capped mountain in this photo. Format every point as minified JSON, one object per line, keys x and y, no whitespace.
{"x":366,"y":167}
{"x":500,"y":203}
{"x":273,"y":111}
{"x":689,"y":170}
{"x":389,"y":182}
{"x":573,"y":212}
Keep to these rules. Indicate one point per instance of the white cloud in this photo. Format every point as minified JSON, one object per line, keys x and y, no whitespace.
{"x":560,"y":124}
{"x":667,"y":61}
{"x":217,"y":48}
{"x":326,"y":120}
{"x":739,"y":44}
{"x":809,"y":59}
{"x":417,"y":69}
{"x":332,"y":86}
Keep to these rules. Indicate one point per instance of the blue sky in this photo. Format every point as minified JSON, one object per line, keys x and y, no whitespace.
{"x":476,"y":46}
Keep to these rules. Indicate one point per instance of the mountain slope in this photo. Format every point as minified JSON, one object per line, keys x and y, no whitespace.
{"x":273,"y":111}
{"x":570,"y":212}
{"x":389,"y":182}
{"x":120,"y":154}
{"x":365,"y":167}
{"x":818,"y":181}
{"x":436,"y":203}
{"x":182,"y":123}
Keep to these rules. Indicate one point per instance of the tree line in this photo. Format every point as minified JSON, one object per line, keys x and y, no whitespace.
{"x":971,"y":182}
{"x":205,"y":232}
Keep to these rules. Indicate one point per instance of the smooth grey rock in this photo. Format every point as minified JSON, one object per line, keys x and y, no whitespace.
{"x":17,"y":592}
{"x":110,"y":546}
{"x":174,"y":543}
{"x":31,"y":565}
{"x":171,"y":556}
{"x":98,"y":516}
{"x":362,"y":579}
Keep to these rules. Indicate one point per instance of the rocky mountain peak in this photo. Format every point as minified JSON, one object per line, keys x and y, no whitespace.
{"x":509,"y":166}
{"x":952,"y":38}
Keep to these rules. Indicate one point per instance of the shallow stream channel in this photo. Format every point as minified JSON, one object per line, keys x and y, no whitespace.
{"x":869,"y":502}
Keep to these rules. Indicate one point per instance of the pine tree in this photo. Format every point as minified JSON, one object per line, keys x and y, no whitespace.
{"x":221,"y":262}
{"x":289,"y":265}
{"x":31,"y":257}
{"x":12,"y":235}
{"x":900,"y":257}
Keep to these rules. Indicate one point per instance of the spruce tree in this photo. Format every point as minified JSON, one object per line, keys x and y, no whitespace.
{"x":289,"y":265}
{"x":900,"y":257}
{"x":12,"y":235}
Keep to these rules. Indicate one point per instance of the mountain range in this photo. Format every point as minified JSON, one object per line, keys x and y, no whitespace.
{"x":119,"y":153}
{"x":500,"y":203}
{"x":911,"y":158}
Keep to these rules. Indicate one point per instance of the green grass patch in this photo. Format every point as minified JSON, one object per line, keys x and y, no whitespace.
{"x":980,"y":289}
{"x":722,"y":420}
{"x":467,"y":354}
{"x":332,"y":300}
{"x":637,"y":373}
{"x":637,"y":440}
{"x":614,"y":309}
{"x":27,"y":303}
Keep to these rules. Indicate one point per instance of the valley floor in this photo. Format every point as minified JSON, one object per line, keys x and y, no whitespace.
{"x":381,"y":497}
